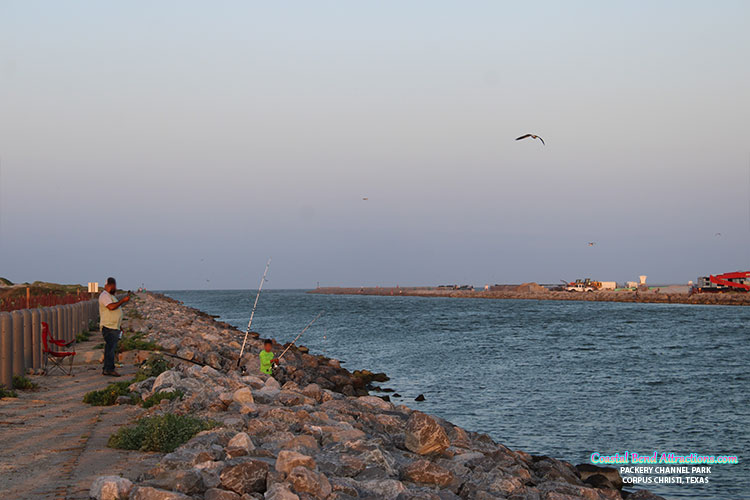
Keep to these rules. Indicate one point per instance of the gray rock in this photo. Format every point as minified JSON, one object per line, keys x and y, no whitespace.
{"x":149,"y":493}
{"x":217,"y":494}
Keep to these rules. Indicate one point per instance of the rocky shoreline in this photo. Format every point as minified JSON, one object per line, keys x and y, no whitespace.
{"x":654,"y":296}
{"x":316,"y":433}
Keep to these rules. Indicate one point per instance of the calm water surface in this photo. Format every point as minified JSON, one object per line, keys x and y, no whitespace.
{"x":563,"y":379}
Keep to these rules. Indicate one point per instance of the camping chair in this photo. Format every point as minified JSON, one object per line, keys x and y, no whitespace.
{"x":55,"y":359}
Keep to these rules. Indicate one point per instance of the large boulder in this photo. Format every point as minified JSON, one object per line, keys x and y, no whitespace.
{"x":243,"y":395}
{"x":248,"y":476}
{"x":169,"y":378}
{"x":280,"y":491}
{"x":110,"y":488}
{"x":239,"y":445}
{"x":424,"y":435}
{"x":589,"y":471}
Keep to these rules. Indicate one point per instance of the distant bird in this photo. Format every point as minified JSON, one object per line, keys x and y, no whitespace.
{"x":365,"y":199}
{"x":532,"y":136}
{"x":592,"y":243}
{"x":717,"y":234}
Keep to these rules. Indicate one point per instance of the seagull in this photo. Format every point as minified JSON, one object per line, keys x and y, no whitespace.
{"x":532,"y":136}
{"x":592,"y":243}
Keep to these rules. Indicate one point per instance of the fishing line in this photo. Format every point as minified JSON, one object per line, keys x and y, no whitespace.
{"x":300,"y":334}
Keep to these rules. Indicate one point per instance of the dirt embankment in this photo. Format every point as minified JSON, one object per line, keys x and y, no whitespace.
{"x":532,"y":291}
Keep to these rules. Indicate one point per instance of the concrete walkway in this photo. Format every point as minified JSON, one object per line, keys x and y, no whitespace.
{"x":54,"y":445}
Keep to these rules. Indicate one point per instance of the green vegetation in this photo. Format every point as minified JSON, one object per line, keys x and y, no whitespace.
{"x":133,"y":341}
{"x":157,"y":398}
{"x":108,"y":396}
{"x":163,"y":433}
{"x":5,"y":282}
{"x":7,"y":393}
{"x":23,"y":384}
{"x":83,"y":336}
{"x":152,"y":367}
{"x":135,"y":314}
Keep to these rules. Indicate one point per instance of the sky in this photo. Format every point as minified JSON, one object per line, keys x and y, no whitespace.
{"x":179,"y":144}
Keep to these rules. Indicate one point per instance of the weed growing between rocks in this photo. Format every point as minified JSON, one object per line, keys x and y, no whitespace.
{"x":157,"y":398}
{"x":83,"y":336}
{"x":108,"y":396}
{"x":163,"y":433}
{"x":133,"y":341}
{"x":152,"y":367}
{"x":23,"y":384}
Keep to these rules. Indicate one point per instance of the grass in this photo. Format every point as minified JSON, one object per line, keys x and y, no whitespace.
{"x":23,"y":384}
{"x":158,"y":397}
{"x":163,"y":433}
{"x":7,"y":393}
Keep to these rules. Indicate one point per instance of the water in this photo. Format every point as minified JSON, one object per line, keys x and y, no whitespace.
{"x":563,"y":379}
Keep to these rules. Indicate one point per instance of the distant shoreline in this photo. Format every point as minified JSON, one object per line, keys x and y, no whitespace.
{"x":654,"y":296}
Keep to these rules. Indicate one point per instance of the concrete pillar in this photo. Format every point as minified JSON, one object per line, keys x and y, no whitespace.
{"x":6,"y":350}
{"x":57,"y":329}
{"x":68,"y":322}
{"x":28,"y":343}
{"x":76,"y":309}
{"x":36,"y":338}
{"x":17,"y":320}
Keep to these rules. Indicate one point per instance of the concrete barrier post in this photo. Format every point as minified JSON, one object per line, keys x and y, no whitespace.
{"x":36,"y":338}
{"x":57,"y":330}
{"x":68,"y":322}
{"x":28,"y":342}
{"x":17,"y":320}
{"x":76,"y":319}
{"x":6,"y":350}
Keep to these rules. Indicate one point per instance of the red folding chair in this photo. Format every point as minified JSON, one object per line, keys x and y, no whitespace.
{"x":53,"y":358}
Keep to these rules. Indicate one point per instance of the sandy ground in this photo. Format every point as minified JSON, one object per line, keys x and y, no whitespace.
{"x":54,"y":445}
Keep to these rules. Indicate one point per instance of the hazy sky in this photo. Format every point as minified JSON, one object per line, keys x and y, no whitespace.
{"x":171,"y":143}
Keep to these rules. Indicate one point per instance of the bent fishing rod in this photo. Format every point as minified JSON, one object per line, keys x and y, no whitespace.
{"x":252,"y":313}
{"x":300,"y":334}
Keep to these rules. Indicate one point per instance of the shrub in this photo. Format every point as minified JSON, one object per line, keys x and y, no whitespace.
{"x":108,"y":396}
{"x":163,"y":433}
{"x":157,"y":398}
{"x":24,"y":384}
{"x":7,"y":393}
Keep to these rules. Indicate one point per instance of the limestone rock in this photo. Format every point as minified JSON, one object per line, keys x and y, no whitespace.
{"x":243,"y":395}
{"x":280,"y":491}
{"x":239,"y":445}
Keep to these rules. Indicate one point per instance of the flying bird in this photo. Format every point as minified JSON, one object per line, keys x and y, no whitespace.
{"x":717,"y":234}
{"x":592,"y":243}
{"x":532,"y":136}
{"x":365,"y":199}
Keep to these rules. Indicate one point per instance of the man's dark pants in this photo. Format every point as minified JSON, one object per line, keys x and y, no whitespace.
{"x":111,"y":337}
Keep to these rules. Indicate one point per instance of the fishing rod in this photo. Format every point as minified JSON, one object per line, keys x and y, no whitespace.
{"x":252,"y":313}
{"x":300,"y":334}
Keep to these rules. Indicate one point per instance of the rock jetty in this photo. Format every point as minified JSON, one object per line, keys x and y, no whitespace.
{"x":316,"y":433}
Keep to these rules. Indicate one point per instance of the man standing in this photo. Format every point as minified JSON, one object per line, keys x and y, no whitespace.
{"x":110,"y":317}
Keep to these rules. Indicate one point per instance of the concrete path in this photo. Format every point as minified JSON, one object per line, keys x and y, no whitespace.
{"x":53,"y":445}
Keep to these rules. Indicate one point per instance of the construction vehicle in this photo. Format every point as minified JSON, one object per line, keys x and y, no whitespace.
{"x":582,"y":285}
{"x":738,"y":281}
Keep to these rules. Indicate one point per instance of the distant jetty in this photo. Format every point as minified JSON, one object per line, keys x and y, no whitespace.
{"x":532,"y":291}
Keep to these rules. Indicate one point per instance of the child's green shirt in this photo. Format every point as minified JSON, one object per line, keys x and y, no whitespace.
{"x":265,"y":361}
